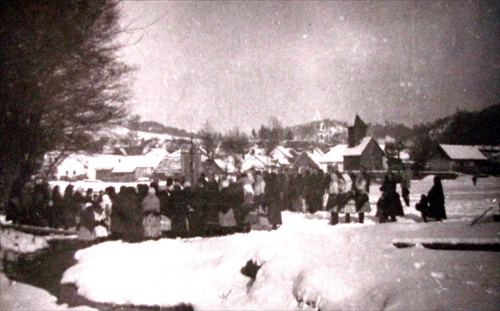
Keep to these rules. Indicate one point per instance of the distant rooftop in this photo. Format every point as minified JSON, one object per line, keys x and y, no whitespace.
{"x":463,"y":152}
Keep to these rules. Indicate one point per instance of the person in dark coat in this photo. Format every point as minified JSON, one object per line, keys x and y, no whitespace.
{"x":70,"y":208}
{"x":57,"y":210}
{"x":225,"y":202}
{"x":132,"y":212}
{"x":235,"y":196}
{"x":179,"y":210}
{"x":117,"y":215}
{"x":423,"y":207}
{"x":272,"y":200}
{"x":196,"y":216}
{"x":436,"y":200}
{"x":389,"y":205}
{"x":39,"y":209}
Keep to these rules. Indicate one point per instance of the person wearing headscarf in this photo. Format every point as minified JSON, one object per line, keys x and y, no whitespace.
{"x":225,"y":203}
{"x":406,"y":184}
{"x":436,"y":200}
{"x":151,"y":217}
{"x":389,"y":205}
{"x":70,"y":208}
{"x":272,"y":200}
{"x":57,"y":209}
{"x":178,"y":203}
{"x":132,"y":215}
{"x":100,"y":208}
{"x":117,"y":217}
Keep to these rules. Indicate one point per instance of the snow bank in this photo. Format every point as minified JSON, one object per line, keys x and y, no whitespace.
{"x":19,"y":296}
{"x":21,"y":243}
{"x":345,"y":267}
{"x":307,"y":263}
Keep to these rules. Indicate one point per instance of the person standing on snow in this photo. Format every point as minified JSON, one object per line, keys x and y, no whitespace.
{"x":406,"y":184}
{"x":339,"y":193}
{"x":227,"y":220}
{"x":272,"y":200}
{"x":361,"y":198}
{"x":389,"y":205}
{"x":259,"y":189}
{"x":151,"y":221}
{"x":101,"y":208}
{"x":436,"y":199}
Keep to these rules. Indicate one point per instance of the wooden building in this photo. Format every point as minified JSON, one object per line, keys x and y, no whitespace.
{"x":366,"y":154}
{"x":458,"y":158}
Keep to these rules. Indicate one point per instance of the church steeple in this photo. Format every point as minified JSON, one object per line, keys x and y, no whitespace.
{"x":356,"y":132}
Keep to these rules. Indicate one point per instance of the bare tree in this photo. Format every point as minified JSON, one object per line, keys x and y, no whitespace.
{"x":61,"y":81}
{"x":235,"y":142}
{"x":210,"y":139}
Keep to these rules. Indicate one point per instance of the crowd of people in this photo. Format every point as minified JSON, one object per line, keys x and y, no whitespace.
{"x":216,"y":206}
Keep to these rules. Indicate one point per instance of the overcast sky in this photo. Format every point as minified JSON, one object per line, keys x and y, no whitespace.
{"x":238,"y":63}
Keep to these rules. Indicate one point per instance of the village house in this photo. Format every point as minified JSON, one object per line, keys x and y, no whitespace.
{"x":101,"y":166}
{"x":258,"y":162}
{"x":458,"y":158}
{"x":132,"y":168}
{"x":283,"y":156}
{"x":308,"y":161}
{"x":169,"y":166}
{"x":367,"y":154}
{"x":335,"y":157}
{"x":73,"y":167}
{"x":362,"y":151}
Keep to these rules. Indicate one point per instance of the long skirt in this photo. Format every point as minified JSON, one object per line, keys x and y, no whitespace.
{"x":152,"y":225}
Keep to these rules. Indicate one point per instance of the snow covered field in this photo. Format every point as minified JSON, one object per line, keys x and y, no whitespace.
{"x":308,"y":264}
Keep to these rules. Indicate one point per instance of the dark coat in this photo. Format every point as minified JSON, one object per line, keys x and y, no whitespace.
{"x":272,"y":195}
{"x":436,"y":200}
{"x":178,"y":211}
{"x":132,"y":215}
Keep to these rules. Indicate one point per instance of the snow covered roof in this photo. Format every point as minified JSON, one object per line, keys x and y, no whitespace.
{"x":358,"y":149}
{"x":170,"y":165}
{"x":130,"y":163}
{"x":226,"y":166}
{"x":309,"y":158}
{"x":284,"y":151}
{"x":462,"y":152}
{"x":158,"y":152}
{"x":175,"y":154}
{"x":336,"y":154}
{"x":104,"y":161}
{"x":255,"y":161}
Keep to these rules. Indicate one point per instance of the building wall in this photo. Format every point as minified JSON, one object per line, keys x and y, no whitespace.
{"x":104,"y":175}
{"x":143,"y":172}
{"x":372,"y":158}
{"x":70,"y":169}
{"x":352,"y":163}
{"x":123,"y":177}
{"x":187,"y":164}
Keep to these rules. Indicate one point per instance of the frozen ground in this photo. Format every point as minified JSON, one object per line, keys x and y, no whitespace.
{"x":308,"y":264}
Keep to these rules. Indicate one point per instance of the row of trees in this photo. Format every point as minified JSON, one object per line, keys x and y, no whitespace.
{"x":60,"y":82}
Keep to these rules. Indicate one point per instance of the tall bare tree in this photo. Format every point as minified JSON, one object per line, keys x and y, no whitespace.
{"x":235,"y":142}
{"x":61,"y":81}
{"x":210,"y":139}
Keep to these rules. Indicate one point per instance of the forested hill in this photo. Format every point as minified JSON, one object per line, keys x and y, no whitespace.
{"x":333,"y":131}
{"x":464,"y":128}
{"x":469,"y":128}
{"x":155,"y":127}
